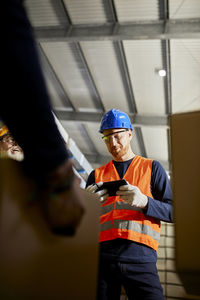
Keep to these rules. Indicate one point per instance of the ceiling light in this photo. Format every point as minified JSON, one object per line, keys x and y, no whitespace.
{"x":162,"y":72}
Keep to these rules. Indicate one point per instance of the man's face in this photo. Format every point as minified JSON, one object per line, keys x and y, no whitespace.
{"x":8,"y":147}
{"x":117,"y":141}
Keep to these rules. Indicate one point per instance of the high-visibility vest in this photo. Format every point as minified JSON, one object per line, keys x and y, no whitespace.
{"x":119,"y":219}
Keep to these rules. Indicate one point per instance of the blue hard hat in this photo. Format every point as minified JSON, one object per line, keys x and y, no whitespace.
{"x":115,"y":118}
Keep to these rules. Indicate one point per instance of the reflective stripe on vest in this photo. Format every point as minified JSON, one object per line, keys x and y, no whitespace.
{"x":119,"y":205}
{"x":119,"y":219}
{"x":130,"y":225}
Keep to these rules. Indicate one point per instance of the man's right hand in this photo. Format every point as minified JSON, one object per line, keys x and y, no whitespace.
{"x":102,"y":194}
{"x":62,"y":200}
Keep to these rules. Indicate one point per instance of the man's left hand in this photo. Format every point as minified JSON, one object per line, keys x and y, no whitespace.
{"x":133,"y":196}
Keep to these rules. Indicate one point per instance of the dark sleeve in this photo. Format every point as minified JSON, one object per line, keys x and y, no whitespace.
{"x":161,"y":206}
{"x":90,"y":180}
{"x":26,"y":107}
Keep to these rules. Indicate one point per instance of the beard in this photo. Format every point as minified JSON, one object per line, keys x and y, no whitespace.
{"x":119,"y":153}
{"x":16,"y":154}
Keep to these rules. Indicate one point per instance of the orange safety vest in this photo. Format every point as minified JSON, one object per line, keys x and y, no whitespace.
{"x":119,"y":219}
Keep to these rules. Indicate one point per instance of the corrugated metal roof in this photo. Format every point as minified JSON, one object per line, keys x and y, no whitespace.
{"x":183,"y":9}
{"x":144,"y":57}
{"x":45,"y":12}
{"x":70,"y":71}
{"x":55,"y":99}
{"x":135,"y":144}
{"x":87,"y":11}
{"x":185,"y":66}
{"x":74,"y":130}
{"x":103,"y":63}
{"x":95,"y":136}
{"x":137,"y":10}
{"x":156,"y":143}
{"x":95,"y":76}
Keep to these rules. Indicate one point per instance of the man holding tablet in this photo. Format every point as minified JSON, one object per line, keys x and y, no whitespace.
{"x":130,"y":219}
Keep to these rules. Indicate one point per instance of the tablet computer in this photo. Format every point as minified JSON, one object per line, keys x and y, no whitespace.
{"x":112,"y":186}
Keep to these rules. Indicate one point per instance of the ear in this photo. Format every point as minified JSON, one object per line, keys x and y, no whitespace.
{"x":130,"y":134}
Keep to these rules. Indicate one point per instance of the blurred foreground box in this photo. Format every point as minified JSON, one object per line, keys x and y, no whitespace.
{"x":34,"y":263}
{"x":185,"y":153}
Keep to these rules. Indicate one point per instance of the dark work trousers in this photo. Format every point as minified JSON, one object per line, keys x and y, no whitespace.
{"x":140,"y":281}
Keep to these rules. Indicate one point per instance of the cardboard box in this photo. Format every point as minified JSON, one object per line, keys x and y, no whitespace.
{"x":185,"y":154}
{"x":34,"y":263}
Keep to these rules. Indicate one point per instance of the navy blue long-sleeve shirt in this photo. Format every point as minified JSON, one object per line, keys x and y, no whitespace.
{"x":160,"y":207}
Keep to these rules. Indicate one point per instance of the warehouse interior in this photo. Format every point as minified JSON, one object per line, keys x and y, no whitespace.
{"x":138,"y":56}
{"x":99,"y":55}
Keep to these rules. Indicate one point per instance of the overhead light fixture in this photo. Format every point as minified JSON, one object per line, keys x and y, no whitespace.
{"x":162,"y":73}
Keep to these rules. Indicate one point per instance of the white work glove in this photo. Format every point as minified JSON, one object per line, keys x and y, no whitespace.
{"x":102,"y":194}
{"x":133,"y":196}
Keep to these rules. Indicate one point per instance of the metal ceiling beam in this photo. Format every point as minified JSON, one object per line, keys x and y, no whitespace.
{"x":91,"y":83}
{"x":140,"y":139}
{"x":166,"y":58}
{"x":165,"y":46}
{"x":136,"y":120}
{"x":127,"y":80}
{"x":167,"y":79}
{"x":97,"y":100}
{"x":84,"y":133}
{"x":60,"y":11}
{"x":63,"y":17}
{"x":119,"y":48}
{"x":52,"y":76}
{"x":64,"y":10}
{"x":162,"y":29}
{"x":125,"y":76}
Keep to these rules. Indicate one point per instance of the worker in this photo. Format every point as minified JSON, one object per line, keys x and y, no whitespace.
{"x":8,"y":146}
{"x":130,"y":222}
